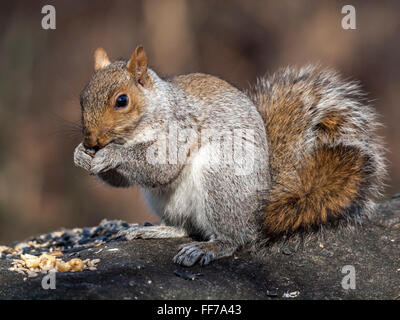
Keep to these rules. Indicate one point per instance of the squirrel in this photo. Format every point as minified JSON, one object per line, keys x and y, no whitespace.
{"x":296,"y":153}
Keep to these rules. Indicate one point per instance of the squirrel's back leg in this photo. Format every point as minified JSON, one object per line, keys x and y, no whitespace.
{"x":224,"y":216}
{"x":203,"y":252}
{"x":189,"y":253}
{"x":153,"y":232}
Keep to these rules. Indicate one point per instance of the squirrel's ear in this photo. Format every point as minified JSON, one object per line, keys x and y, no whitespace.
{"x":137,"y":66}
{"x":100,"y":59}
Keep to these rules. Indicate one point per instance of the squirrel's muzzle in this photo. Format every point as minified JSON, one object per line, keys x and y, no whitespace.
{"x":94,"y":141}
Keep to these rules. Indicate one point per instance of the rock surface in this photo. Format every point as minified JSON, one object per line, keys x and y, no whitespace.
{"x":142,"y":269}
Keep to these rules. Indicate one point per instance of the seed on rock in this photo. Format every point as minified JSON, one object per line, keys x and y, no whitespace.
{"x":56,"y":253}
{"x":63,"y":267}
{"x":32,"y":263}
{"x":27,"y":256}
{"x":31,"y":274}
{"x":76,"y":264}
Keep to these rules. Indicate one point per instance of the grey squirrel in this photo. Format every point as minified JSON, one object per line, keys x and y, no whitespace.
{"x":295,"y":153}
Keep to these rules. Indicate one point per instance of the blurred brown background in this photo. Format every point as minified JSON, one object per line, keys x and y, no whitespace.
{"x":43,"y":71}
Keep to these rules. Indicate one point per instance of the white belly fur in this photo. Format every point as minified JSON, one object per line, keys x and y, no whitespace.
{"x":187,"y":197}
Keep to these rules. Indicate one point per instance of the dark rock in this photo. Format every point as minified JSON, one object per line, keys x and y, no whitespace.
{"x":143,"y":269}
{"x":102,"y":238}
{"x":272,"y":293}
{"x":187,"y":275}
{"x":84,"y":241}
{"x":60,"y":244}
{"x":65,"y":236}
{"x":98,"y":231}
{"x":73,"y":250}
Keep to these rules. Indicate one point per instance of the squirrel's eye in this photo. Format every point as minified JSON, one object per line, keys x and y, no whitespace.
{"x":122,"y":101}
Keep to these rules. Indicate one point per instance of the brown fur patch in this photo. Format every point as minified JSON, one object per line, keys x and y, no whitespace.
{"x":285,"y":123}
{"x":326,"y":183}
{"x":209,"y":246}
{"x":201,"y":85}
{"x":330,"y":126}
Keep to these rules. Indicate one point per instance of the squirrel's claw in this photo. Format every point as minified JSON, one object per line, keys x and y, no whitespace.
{"x":203,"y":252}
{"x":191,"y":253}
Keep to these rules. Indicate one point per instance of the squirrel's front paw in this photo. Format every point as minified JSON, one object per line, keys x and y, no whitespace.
{"x":105,"y":159}
{"x":82,"y":158}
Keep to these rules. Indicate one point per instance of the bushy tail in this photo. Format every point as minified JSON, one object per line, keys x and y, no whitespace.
{"x":326,"y":162}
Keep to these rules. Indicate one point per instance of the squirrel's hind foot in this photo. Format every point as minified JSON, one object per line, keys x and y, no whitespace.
{"x":203,"y":252}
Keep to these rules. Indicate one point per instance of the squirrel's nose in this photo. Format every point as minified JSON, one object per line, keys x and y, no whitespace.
{"x":95,"y":141}
{"x":90,"y":141}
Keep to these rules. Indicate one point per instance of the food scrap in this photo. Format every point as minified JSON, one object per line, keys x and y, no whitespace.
{"x":67,"y":241}
{"x":293,"y":294}
{"x":42,"y":253}
{"x":31,"y":265}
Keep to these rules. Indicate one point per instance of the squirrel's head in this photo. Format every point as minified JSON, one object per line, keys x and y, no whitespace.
{"x":113,"y":100}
